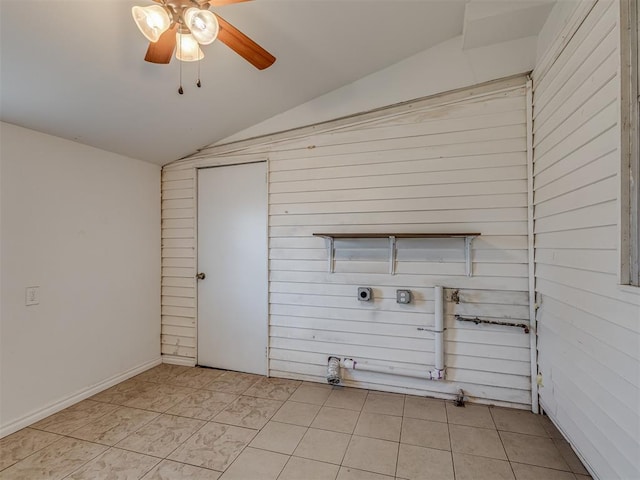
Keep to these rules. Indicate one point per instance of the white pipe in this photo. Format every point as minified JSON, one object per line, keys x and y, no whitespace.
{"x":437,"y":373}
{"x":351,"y":364}
{"x":439,"y":333}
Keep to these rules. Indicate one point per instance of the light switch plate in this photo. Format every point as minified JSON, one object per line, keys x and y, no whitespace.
{"x":32,"y":296}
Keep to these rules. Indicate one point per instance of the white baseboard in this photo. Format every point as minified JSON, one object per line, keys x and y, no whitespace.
{"x":174,"y":360}
{"x":55,"y":407}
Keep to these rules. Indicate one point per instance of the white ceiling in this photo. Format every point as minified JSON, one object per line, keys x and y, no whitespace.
{"x":75,"y":68}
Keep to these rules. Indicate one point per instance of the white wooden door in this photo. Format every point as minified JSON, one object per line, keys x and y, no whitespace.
{"x":232,"y":253}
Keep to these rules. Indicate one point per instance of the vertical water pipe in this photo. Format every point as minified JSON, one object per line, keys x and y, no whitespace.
{"x":438,"y":372}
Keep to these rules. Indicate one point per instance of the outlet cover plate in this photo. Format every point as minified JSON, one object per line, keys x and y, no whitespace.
{"x":365,"y":294}
{"x":403,"y":296}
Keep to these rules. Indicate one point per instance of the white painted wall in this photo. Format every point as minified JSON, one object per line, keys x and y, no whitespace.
{"x":588,"y":326}
{"x":558,"y":19}
{"x":84,"y":225}
{"x":455,"y":163}
{"x":439,"y":69}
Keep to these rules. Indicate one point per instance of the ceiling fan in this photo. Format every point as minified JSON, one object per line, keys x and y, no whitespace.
{"x":183,"y":25}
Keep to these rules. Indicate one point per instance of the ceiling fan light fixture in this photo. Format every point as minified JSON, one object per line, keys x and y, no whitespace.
{"x":152,"y":21}
{"x":188,"y":49}
{"x":203,"y":25}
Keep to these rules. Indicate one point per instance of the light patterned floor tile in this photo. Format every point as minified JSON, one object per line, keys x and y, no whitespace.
{"x":196,"y":377}
{"x":570,"y":457}
{"x":250,"y":412}
{"x":170,"y":470}
{"x":518,"y":421}
{"x":273,"y":388}
{"x":214,"y":446}
{"x":345,"y":397}
{"x":384,"y":403}
{"x":424,"y":433}
{"x":115,"y":426}
{"x":323,"y":445}
{"x":160,"y":398}
{"x":74,"y":417}
{"x":470,"y":467}
{"x":311,"y":394}
{"x":375,"y":425}
{"x":550,"y":428}
{"x":419,"y":463}
{"x":162,"y":373}
{"x":122,"y":392}
{"x":161,"y":436}
{"x":254,"y":464}
{"x":425,"y":408}
{"x":533,"y":450}
{"x":304,"y":469}
{"x":202,"y":404}
{"x":23,"y":443}
{"x":336,"y":419}
{"x":347,"y":473}
{"x":530,"y":472}
{"x":372,"y":455}
{"x":233,"y":382}
{"x":279,"y":437}
{"x":470,"y":415}
{"x":297,"y":413}
{"x":55,"y":461}
{"x":115,"y":464}
{"x":333,"y":433}
{"x":476,"y":441}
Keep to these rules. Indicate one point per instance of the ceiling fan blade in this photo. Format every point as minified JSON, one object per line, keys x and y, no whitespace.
{"x":162,"y":50}
{"x":243,"y":45}
{"x":219,"y":3}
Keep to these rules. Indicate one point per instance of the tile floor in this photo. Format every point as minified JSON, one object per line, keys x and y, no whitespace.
{"x":176,"y":423}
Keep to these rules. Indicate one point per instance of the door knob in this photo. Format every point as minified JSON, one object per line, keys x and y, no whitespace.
{"x":201,"y":276}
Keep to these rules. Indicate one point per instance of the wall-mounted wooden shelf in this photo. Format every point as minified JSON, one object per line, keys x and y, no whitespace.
{"x":331,"y":237}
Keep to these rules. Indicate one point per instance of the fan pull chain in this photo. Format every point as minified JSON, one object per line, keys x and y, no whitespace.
{"x":198,"y":83}
{"x":180,"y":90}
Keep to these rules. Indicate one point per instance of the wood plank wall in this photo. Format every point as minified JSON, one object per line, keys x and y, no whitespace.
{"x":447,"y":166}
{"x":589,"y":328}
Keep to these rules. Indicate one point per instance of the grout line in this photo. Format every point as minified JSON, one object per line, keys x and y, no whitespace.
{"x":453,"y":463}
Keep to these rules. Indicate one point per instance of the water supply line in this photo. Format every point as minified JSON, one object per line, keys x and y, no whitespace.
{"x":437,"y":373}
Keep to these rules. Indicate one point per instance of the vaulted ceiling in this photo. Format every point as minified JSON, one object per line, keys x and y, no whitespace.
{"x":75,"y":69}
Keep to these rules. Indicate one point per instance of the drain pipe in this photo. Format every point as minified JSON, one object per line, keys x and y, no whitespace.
{"x":438,"y":373}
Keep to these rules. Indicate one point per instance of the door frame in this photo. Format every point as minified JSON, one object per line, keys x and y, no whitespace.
{"x":220,"y":163}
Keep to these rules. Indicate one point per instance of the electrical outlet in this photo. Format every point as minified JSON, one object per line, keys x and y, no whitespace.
{"x":365,"y":294}
{"x":32,"y":296}
{"x":403,"y":296}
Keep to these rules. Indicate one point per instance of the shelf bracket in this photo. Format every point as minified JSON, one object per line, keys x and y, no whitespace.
{"x":392,"y":255}
{"x":332,"y":253}
{"x":467,"y":255}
